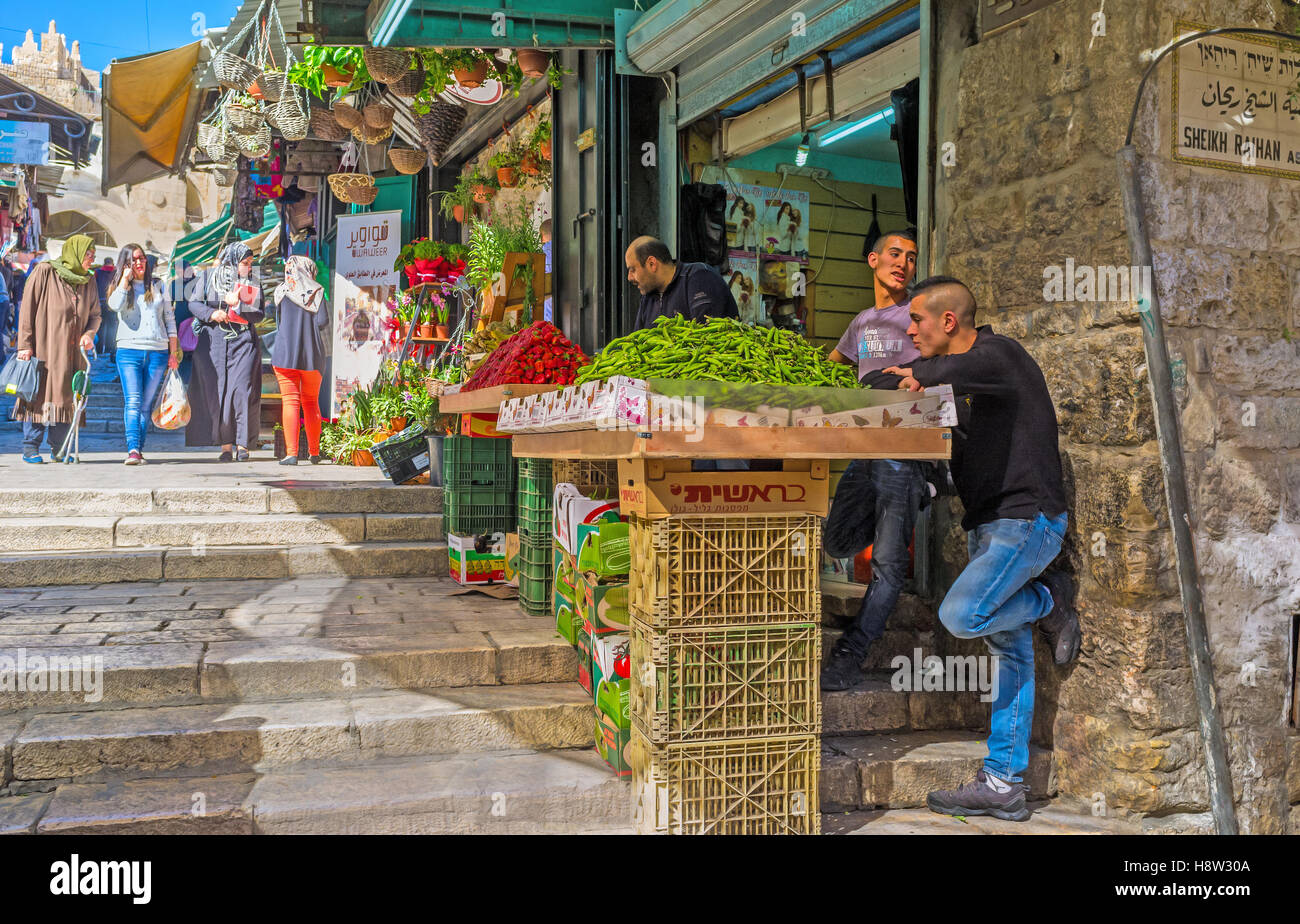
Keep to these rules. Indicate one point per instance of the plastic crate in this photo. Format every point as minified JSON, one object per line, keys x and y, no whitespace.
{"x":753,"y":786}
{"x":535,"y":500}
{"x":700,"y":571}
{"x":732,"y":682}
{"x":595,"y":478}
{"x":403,"y":455}
{"x":479,"y":509}
{"x":477,"y":461}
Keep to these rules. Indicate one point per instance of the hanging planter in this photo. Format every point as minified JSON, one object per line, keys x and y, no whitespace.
{"x":290,"y":115}
{"x":364,"y":195}
{"x":438,"y":127}
{"x":379,"y":115}
{"x":253,"y":144}
{"x":334,"y":77}
{"x":244,"y":118}
{"x":348,"y":115}
{"x":234,"y":72}
{"x":271,"y":84}
{"x":408,"y":160}
{"x":323,"y":126}
{"x":507,"y":177}
{"x":483,"y":193}
{"x":386,"y":65}
{"x":410,"y":84}
{"x":367,"y":135}
{"x":533,"y":61}
{"x":529,"y":164}
{"x":458,"y":212}
{"x":472,"y":78}
{"x":346,"y":186}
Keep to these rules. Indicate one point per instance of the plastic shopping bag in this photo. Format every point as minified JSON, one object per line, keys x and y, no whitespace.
{"x":20,"y":377}
{"x":171,"y":409}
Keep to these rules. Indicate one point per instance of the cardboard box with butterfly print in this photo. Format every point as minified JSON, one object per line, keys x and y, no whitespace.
{"x":935,"y":408}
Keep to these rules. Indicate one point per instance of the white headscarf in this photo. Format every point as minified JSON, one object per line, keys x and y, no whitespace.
{"x":300,"y":285}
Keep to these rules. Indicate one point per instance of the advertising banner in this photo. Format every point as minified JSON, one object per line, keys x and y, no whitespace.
{"x":366,"y":246}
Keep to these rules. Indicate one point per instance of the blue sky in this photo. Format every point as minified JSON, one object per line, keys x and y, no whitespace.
{"x":113,"y":30}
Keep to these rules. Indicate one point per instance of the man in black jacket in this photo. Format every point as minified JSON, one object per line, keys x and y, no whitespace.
{"x":1007,"y":469}
{"x":669,"y":288}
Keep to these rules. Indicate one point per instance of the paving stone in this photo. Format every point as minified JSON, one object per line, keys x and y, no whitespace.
{"x":494,"y":622}
{"x":217,"y":738}
{"x":1044,"y":820}
{"x":78,"y":640}
{"x":840,"y":785}
{"x":43,"y":534}
{"x":354,"y":498}
{"x":43,"y":609}
{"x":381,"y":628}
{"x":52,"y":620}
{"x":90,"y":502}
{"x":391,"y":527}
{"x":870,"y":707}
{"x":10,"y":725}
{"x":554,"y":792}
{"x":472,"y":719}
{"x":124,"y":675}
{"x":157,"y":806}
{"x":18,"y":814}
{"x":127,"y":625}
{"x":209,"y":500}
{"x":533,"y":656}
{"x":369,"y":559}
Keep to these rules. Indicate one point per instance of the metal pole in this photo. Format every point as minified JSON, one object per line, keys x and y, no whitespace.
{"x":1160,"y":379}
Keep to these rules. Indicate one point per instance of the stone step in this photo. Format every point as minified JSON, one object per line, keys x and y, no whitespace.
{"x":37,"y":534}
{"x":243,"y":737}
{"x":363,"y":559}
{"x":900,"y":770}
{"x":874,"y":707}
{"x":1046,"y":819}
{"x":552,"y":792}
{"x":216,"y":663}
{"x":300,"y":497}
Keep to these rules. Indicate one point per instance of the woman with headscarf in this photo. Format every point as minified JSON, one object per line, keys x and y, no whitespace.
{"x":60,"y":316}
{"x":298,"y":355}
{"x":226,"y":385}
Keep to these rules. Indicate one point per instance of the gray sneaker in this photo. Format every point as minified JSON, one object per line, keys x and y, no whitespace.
{"x":1061,"y":626}
{"x":979,"y":797}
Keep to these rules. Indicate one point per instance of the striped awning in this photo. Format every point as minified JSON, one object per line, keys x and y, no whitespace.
{"x":202,"y":246}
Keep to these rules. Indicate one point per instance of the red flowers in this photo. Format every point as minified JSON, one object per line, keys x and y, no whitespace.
{"x":540,"y":353}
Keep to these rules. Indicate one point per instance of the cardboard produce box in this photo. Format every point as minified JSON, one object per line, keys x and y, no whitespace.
{"x":611,"y":669}
{"x":659,"y":488}
{"x":468,"y":565}
{"x":604,"y":606}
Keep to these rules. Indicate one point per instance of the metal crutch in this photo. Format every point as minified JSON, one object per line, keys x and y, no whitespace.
{"x":80,"y":397}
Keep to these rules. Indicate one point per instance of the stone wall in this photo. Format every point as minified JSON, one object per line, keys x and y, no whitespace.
{"x":1041,"y":110}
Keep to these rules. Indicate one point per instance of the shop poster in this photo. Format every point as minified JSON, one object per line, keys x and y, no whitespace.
{"x":366,"y":246}
{"x":768,"y":220}
{"x":742,"y":279}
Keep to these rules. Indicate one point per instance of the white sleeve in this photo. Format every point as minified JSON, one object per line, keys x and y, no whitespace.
{"x":117,"y":297}
{"x":168,"y":311}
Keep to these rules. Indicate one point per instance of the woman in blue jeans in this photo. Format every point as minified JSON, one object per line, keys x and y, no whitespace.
{"x":146,"y":342}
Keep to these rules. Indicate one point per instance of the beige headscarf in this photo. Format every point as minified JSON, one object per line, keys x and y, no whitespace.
{"x":300,"y":285}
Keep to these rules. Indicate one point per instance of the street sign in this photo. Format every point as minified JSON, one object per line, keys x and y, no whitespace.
{"x":24,"y":142}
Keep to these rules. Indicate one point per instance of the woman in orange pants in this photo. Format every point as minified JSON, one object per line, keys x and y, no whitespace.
{"x":298,"y":355}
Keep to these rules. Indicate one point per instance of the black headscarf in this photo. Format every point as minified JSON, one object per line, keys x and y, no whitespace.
{"x":225,"y":275}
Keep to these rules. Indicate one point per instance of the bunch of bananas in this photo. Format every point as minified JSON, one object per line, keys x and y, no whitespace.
{"x":482,"y":342}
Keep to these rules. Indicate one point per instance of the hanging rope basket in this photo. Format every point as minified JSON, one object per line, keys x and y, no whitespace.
{"x":364,"y":195}
{"x":272,"y":85}
{"x":346,"y":185}
{"x":234,"y":72}
{"x":253,"y":144}
{"x":347,"y":115}
{"x":379,"y":115}
{"x":408,"y":160}
{"x":368,"y":135}
{"x":386,"y":65}
{"x":411,"y":83}
{"x":438,"y":127}
{"x":323,"y":126}
{"x":241,"y":118}
{"x":225,"y":176}
{"x":289,"y":115}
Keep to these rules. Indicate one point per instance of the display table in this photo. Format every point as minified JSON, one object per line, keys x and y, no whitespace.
{"x":486,"y":400}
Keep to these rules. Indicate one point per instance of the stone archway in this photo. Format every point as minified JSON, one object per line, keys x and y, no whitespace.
{"x":67,"y":223}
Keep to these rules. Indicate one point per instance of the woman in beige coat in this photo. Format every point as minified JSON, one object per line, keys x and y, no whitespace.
{"x":60,"y":315}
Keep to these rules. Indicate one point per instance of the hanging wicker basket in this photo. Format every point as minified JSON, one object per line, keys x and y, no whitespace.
{"x":347,"y":115}
{"x":364,"y":195}
{"x":368,"y":135}
{"x":324,"y":126}
{"x":289,"y":115}
{"x":386,"y":65}
{"x":253,"y":144}
{"x":345,"y":185}
{"x":243,"y":118}
{"x":272,"y":85}
{"x":220,"y":146}
{"x":234,"y":72}
{"x":207,"y":135}
{"x":308,"y":182}
{"x":438,"y":127}
{"x":225,"y":176}
{"x":411,"y":83}
{"x":379,"y":115}
{"x":408,"y":160}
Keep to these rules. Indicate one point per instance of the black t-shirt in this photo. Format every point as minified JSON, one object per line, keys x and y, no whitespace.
{"x":696,"y":291}
{"x":1005,"y":460}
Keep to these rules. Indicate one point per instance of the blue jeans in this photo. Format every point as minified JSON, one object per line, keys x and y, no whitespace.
{"x":996,"y":598}
{"x":34,"y":434}
{"x":876,"y":503}
{"x":141,"y":372}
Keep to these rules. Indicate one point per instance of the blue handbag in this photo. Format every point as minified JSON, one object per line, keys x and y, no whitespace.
{"x":21,"y":377}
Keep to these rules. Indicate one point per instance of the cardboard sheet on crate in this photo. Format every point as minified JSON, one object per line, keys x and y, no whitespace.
{"x":654,"y":488}
{"x":741,"y":443}
{"x":484,"y":400}
{"x":691,"y":406}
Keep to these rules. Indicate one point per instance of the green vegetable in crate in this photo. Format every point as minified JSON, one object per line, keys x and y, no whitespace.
{"x":606,"y":551}
{"x":722,"y":350}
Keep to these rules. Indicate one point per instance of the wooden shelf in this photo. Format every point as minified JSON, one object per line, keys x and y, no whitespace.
{"x":430,"y":339}
{"x":487,"y":400}
{"x":740,"y":443}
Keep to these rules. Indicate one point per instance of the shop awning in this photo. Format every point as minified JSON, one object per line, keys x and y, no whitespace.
{"x":203,"y":245}
{"x":71,"y":139}
{"x":150,"y":105}
{"x":436,"y":23}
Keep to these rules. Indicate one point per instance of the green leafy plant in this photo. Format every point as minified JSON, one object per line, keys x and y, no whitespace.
{"x":510,"y":231}
{"x":461,"y":194}
{"x":508,"y":156}
{"x":425,"y":250}
{"x":386,"y":403}
{"x":243,"y":99}
{"x":555,"y":73}
{"x":541,"y":134}
{"x":348,"y":442}
{"x":418,"y":406}
{"x":309,"y":72}
{"x":357,"y":412}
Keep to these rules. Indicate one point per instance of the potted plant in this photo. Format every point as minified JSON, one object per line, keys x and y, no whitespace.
{"x":541,"y":139}
{"x":426,"y":330}
{"x":482,"y":187}
{"x":555,"y":74}
{"x":468,"y":65}
{"x":441,"y":311}
{"x":456,"y":200}
{"x":355,"y":448}
{"x":323,"y":68}
{"x":386,"y":406}
{"x":425,"y":253}
{"x":533,"y":61}
{"x":506,"y":163}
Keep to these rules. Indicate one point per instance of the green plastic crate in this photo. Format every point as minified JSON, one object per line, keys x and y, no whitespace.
{"x":535,"y":500}
{"x":479,"y":509}
{"x":535,"y":564}
{"x":477,"y":461}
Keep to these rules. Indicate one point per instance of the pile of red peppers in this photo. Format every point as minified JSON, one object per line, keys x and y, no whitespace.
{"x":540,"y":353}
